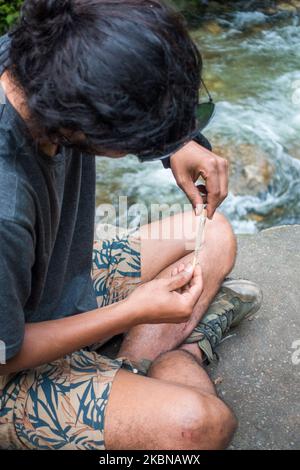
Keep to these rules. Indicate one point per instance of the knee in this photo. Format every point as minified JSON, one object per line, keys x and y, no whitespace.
{"x":221,"y":231}
{"x":206,"y":423}
{"x":223,"y":228}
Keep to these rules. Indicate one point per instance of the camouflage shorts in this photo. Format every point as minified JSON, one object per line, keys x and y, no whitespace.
{"x":61,"y":405}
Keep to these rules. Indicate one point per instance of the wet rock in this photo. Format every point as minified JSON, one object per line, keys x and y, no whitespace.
{"x":286,"y":7}
{"x":270,"y":11}
{"x":213,"y":27}
{"x":215,"y":84}
{"x":250,"y":168}
{"x":234,"y":5}
{"x":256,"y":217}
{"x":294,"y":152}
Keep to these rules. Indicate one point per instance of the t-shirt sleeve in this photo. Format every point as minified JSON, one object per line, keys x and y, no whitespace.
{"x":16,"y":261}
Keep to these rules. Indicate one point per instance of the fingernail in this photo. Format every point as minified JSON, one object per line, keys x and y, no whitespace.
{"x":198,"y":209}
{"x":189,"y":268}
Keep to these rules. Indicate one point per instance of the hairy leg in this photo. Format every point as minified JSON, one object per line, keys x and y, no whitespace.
{"x":147,"y":342}
{"x":174,"y":408}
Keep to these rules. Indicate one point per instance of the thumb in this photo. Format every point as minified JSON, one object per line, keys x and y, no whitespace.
{"x":182,"y":278}
{"x":193,"y":194}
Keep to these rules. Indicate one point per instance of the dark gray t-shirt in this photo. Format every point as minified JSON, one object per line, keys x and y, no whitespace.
{"x":47,"y":208}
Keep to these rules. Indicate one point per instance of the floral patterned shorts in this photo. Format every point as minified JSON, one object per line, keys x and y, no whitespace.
{"x":61,"y":405}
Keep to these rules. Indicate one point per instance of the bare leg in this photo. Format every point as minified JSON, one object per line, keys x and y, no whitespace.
{"x":217,"y":259}
{"x":175,"y":408}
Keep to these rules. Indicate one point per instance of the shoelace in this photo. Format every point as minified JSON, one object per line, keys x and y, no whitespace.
{"x":209,"y":329}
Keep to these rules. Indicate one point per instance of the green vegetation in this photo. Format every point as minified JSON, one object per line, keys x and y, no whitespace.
{"x":187,"y":4}
{"x":9,"y":12}
{"x":188,"y":7}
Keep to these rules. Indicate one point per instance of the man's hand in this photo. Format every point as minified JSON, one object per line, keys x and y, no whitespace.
{"x":167,"y":300}
{"x":160,"y":301}
{"x":193,"y":161}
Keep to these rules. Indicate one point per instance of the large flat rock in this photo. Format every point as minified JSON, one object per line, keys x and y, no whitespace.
{"x":259,"y":379}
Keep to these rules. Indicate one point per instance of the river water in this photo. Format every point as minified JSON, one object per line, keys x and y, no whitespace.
{"x":252,"y":66}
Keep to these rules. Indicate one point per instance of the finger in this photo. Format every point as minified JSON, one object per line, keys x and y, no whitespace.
{"x":174,"y":272}
{"x":213,"y":189}
{"x":181,"y":267}
{"x":197,"y":274}
{"x":203,"y":192}
{"x":224,"y":177}
{"x":186,"y":288}
{"x":196,"y":284}
{"x":188,"y":285}
{"x":181,"y":279}
{"x":192,"y":192}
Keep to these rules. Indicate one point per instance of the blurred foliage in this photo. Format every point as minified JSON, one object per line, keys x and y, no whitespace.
{"x":194,"y":10}
{"x":9,"y":12}
{"x":191,"y":8}
{"x":186,"y":4}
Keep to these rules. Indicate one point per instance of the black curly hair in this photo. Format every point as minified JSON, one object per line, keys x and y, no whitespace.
{"x":125,"y":73}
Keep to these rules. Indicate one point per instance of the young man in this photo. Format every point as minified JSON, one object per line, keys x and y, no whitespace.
{"x":87,"y":77}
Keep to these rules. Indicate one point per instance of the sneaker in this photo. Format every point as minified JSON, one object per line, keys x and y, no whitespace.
{"x":236,"y":300}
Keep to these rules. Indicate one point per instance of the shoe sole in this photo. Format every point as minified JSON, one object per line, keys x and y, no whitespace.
{"x":246,"y":291}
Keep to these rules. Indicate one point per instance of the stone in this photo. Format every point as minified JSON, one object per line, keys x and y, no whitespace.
{"x":212,"y":27}
{"x":256,"y":217}
{"x":270,"y":10}
{"x":250,"y":168}
{"x":286,"y":7}
{"x":294,"y":152}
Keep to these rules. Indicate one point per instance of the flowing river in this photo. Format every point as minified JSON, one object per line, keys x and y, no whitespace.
{"x":252,"y":68}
